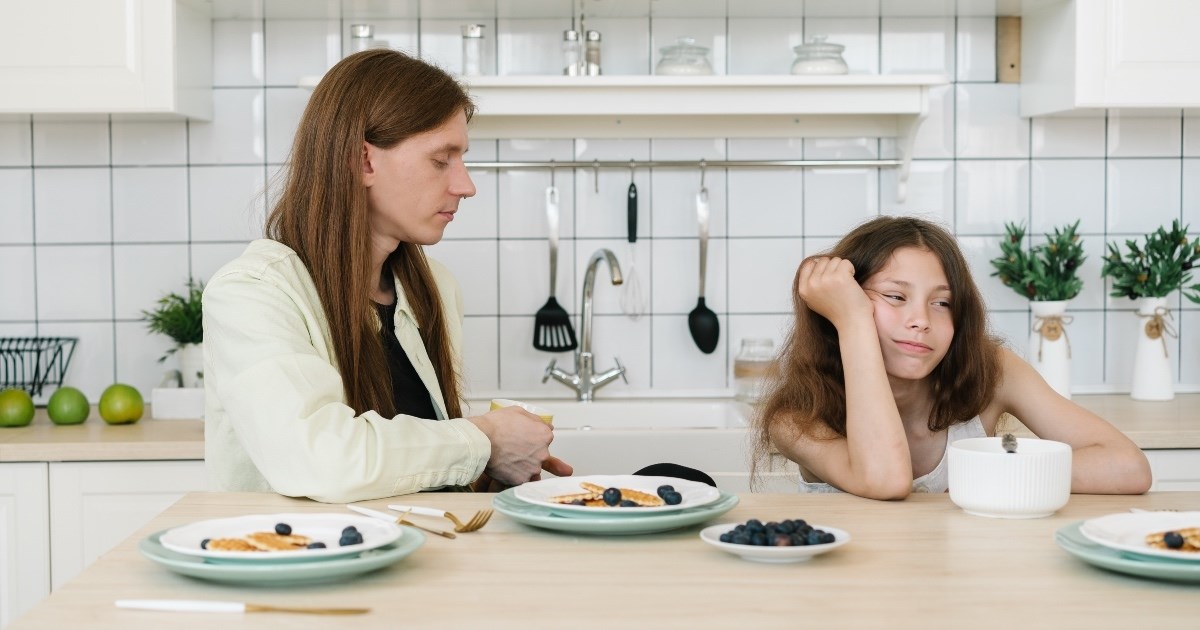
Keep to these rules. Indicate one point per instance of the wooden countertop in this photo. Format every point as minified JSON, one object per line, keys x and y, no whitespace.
{"x":146,"y":439}
{"x":1170,"y":424}
{"x":918,"y":563}
{"x":1151,"y":425}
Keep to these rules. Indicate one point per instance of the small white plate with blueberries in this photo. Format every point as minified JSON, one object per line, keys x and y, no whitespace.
{"x":791,"y":540}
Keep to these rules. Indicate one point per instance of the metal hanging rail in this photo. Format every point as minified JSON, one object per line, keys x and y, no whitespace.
{"x":688,"y":164}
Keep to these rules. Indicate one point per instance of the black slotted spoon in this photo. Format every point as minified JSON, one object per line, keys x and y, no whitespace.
{"x":552,"y":331}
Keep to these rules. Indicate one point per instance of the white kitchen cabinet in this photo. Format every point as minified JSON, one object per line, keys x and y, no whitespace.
{"x":1175,"y":469}
{"x":143,"y":57}
{"x":1078,"y":55}
{"x":95,"y":505}
{"x":24,"y":538}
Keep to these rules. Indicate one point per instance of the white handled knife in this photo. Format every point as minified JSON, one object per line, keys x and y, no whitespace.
{"x":201,"y":605}
{"x":398,"y":519}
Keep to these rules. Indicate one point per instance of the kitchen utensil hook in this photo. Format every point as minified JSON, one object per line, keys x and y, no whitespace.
{"x":552,"y":173}
{"x":596,"y":176}
{"x":703,"y":165}
{"x":632,"y":170}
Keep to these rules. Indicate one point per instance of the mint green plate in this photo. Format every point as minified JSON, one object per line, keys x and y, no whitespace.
{"x":509,"y":505}
{"x":281,"y":573}
{"x":1079,"y":546}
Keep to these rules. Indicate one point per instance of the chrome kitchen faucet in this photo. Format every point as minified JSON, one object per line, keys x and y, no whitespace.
{"x":584,"y":381}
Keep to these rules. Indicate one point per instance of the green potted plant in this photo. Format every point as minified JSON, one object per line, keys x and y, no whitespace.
{"x":1048,"y":275}
{"x":1147,"y":274}
{"x":180,"y":317}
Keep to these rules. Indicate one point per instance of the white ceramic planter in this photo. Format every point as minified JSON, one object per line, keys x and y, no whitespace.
{"x":1049,"y":348}
{"x":191,"y":364}
{"x":177,"y":403}
{"x":1152,"y":379}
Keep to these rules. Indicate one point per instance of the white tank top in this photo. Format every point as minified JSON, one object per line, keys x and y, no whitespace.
{"x":936,"y":480}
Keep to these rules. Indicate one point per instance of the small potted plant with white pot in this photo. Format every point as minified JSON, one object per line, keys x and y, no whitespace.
{"x":180,"y":317}
{"x":1147,"y":274}
{"x":1048,"y":275}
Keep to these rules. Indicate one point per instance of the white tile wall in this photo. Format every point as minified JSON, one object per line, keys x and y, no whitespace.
{"x":100,"y":216}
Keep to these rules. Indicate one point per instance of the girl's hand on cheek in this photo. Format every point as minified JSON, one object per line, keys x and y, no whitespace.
{"x":827,"y":286}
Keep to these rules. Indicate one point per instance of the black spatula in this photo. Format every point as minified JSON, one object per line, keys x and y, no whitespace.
{"x":552,"y":331}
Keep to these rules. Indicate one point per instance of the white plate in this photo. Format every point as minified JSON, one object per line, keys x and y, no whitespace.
{"x":326,"y":528}
{"x":545,"y":518}
{"x":712,"y":536}
{"x":695,"y":494}
{"x":1127,"y":531}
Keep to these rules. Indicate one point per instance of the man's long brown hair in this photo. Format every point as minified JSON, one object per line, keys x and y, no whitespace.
{"x":807,"y":392}
{"x":382,"y":97}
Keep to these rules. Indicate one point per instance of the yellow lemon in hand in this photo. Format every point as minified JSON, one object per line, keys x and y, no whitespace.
{"x":121,"y":404}
{"x":68,"y":406}
{"x":16,"y":408}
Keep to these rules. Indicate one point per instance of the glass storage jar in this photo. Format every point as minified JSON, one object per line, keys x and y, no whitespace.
{"x":750,"y":368}
{"x":684,"y":57}
{"x":819,"y":57}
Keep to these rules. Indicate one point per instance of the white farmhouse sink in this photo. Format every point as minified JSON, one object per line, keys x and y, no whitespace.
{"x":622,"y":436}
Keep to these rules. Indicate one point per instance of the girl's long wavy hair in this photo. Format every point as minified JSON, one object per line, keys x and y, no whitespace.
{"x":382,"y":97}
{"x":807,"y":390}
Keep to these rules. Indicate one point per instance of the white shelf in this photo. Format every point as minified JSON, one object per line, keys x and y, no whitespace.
{"x":728,"y":106}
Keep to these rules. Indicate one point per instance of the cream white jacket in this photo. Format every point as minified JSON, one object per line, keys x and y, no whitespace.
{"x":276,"y":417}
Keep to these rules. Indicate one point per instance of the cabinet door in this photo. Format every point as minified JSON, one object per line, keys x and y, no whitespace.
{"x":105,"y":56}
{"x":24,"y":567}
{"x":1175,"y":469}
{"x":1137,"y":53}
{"x":95,"y":505}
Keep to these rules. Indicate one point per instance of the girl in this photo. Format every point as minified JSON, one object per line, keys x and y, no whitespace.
{"x":890,"y":360}
{"x":332,"y":346}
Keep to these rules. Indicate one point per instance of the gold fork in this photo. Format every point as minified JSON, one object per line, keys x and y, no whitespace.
{"x":475,"y":522}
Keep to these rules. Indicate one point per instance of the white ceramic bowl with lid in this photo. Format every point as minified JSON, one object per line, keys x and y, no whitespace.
{"x":1033,"y":482}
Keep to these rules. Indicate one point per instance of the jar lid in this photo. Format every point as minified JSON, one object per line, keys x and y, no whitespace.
{"x":684,"y":46}
{"x":571,"y":35}
{"x":593,"y":36}
{"x":817,"y":45}
{"x":361,"y":30}
{"x":472,"y":30}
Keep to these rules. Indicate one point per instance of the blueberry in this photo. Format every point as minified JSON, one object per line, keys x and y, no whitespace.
{"x":283,"y":529}
{"x":664,"y":489}
{"x":628,"y":503}
{"x":827,"y":537}
{"x":813,"y":537}
{"x":1173,"y":540}
{"x":754,"y":525}
{"x":798,"y":540}
{"x":741,"y":539}
{"x":726,"y":537}
{"x":758,"y":539}
{"x":350,"y":530}
{"x":672,"y":498}
{"x":612,"y":496}
{"x":316,"y":545}
{"x":351,"y":539}
{"x":204,"y":543}
{"x":786,"y":527}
